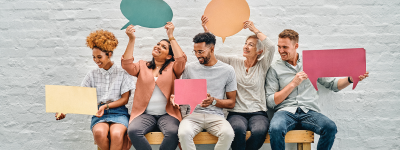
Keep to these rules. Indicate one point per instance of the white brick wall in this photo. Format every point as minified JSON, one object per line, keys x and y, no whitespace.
{"x":43,"y":42}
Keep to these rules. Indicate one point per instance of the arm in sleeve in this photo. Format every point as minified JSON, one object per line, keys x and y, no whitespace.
{"x":271,"y":87}
{"x":329,"y":83}
{"x":231,"y":84}
{"x":179,"y":65}
{"x":268,"y":53}
{"x":87,"y":81}
{"x":226,"y":59}
{"x":130,"y":67}
{"x":127,"y":83}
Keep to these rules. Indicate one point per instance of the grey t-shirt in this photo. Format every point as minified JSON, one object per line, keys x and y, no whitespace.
{"x":220,"y":79}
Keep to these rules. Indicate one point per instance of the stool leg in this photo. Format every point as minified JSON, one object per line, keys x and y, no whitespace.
{"x":303,"y":146}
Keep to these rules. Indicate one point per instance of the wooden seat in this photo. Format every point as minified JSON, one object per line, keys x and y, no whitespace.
{"x":303,"y":138}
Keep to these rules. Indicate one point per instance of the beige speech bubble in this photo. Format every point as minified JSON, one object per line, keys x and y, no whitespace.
{"x":226,"y":17}
{"x":71,"y":99}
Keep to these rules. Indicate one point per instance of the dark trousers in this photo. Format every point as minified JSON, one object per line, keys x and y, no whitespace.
{"x":256,"y":122}
{"x":284,"y":121}
{"x":145,"y":123}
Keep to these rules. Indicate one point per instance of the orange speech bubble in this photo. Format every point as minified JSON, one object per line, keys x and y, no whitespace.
{"x":226,"y":17}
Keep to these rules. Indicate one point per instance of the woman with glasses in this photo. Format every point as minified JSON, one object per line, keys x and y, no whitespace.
{"x":250,"y":109}
{"x":151,"y":108}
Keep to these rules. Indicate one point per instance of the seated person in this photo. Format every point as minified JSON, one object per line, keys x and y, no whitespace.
{"x":208,"y":115}
{"x":151,"y":108}
{"x":294,"y":97}
{"x":250,"y":108}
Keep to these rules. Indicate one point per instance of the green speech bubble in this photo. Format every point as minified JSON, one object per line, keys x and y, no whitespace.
{"x":146,"y":13}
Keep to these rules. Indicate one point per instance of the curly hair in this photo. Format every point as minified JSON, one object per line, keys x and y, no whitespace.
{"x":103,"y":40}
{"x":291,"y":34}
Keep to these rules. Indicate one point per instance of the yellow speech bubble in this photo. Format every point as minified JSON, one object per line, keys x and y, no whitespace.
{"x":226,"y":17}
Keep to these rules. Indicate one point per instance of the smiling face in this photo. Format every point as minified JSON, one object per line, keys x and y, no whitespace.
{"x":250,"y":48}
{"x":202,"y":52}
{"x":101,"y":59}
{"x":161,"y":50}
{"x":287,"y":49}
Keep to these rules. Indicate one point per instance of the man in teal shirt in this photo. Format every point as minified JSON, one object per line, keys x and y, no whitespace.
{"x":292,"y":95}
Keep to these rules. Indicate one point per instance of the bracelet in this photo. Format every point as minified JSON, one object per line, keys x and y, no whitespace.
{"x":172,"y":38}
{"x":107,"y":107}
{"x":258,"y":32}
{"x":348,"y":78}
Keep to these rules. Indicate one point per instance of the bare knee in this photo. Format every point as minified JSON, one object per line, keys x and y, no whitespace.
{"x":117,"y":134}
{"x":100,"y":133}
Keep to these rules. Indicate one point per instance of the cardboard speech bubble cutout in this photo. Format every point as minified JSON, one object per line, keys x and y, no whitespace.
{"x":334,"y":63}
{"x":71,"y":99}
{"x":190,"y":92}
{"x":146,"y":13}
{"x":226,"y":17}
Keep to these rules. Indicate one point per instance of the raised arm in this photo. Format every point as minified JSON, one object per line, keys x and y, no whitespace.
{"x":204,"y":21}
{"x":129,"y":49}
{"x":266,"y":45}
{"x":127,"y":58}
{"x":180,"y":57}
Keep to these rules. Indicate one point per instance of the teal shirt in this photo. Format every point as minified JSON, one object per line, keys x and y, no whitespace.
{"x":280,"y":74}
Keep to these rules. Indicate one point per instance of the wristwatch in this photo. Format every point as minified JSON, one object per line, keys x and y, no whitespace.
{"x":214,"y":102}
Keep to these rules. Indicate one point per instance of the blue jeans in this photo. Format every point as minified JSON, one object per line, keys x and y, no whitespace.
{"x":284,"y":121}
{"x":146,"y":123}
{"x":256,"y":122}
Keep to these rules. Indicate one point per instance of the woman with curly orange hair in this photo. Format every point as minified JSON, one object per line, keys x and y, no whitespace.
{"x":113,"y":85}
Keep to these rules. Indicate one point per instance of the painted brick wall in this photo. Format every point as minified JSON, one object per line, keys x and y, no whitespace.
{"x":43,"y":42}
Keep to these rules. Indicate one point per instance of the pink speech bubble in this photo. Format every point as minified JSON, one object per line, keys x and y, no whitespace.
{"x":334,"y":63}
{"x":190,"y":91}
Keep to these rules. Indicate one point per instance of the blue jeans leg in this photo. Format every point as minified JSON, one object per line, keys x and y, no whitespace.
{"x":239,"y":125}
{"x":258,"y":125}
{"x":322,"y":125}
{"x":281,"y":123}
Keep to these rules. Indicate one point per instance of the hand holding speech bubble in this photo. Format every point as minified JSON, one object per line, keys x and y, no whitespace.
{"x":146,"y":13}
{"x":334,"y":63}
{"x":226,"y":17}
{"x":190,"y":91}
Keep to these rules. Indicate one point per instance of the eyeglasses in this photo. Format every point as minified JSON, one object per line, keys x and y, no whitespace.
{"x":200,"y":52}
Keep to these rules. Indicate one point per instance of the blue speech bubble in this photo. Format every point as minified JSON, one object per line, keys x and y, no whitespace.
{"x":146,"y":13}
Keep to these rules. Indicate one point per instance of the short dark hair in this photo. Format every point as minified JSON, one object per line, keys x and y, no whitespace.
{"x":205,"y":37}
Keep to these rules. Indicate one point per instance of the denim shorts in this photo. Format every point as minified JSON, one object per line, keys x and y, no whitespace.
{"x":113,"y":115}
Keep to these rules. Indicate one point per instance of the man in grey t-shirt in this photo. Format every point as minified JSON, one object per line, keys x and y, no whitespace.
{"x":208,"y":115}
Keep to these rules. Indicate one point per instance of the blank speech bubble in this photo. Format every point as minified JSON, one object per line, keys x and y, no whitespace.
{"x":334,"y":63}
{"x":146,"y":13}
{"x":226,"y":17}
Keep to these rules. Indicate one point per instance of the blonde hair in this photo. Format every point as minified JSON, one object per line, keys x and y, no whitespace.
{"x":102,"y":39}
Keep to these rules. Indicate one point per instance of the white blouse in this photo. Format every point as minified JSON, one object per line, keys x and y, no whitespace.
{"x":157,"y":102}
{"x":250,"y":96}
{"x":110,"y":84}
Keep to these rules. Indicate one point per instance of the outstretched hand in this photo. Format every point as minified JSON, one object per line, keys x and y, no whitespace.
{"x":361,"y":77}
{"x":172,"y":100}
{"x":62,"y":116}
{"x":204,"y":21}
{"x":170,"y":29}
{"x":130,"y":31}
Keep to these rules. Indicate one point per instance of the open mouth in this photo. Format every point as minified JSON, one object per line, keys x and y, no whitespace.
{"x":99,"y":64}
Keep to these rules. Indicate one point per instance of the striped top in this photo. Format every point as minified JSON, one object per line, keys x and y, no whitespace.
{"x":250,"y":95}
